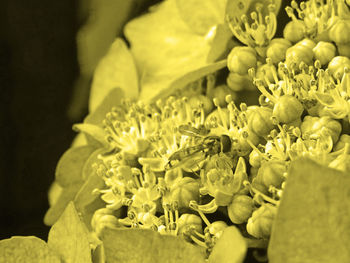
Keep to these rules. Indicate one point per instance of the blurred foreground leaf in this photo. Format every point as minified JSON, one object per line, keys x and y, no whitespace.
{"x":69,"y":237}
{"x":26,"y":249}
{"x":313,"y":219}
{"x":147,"y":246}
{"x":222,"y":43}
{"x":201,"y":16}
{"x":231,"y":247}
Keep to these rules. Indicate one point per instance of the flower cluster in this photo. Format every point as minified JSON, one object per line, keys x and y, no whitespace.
{"x":172,"y":162}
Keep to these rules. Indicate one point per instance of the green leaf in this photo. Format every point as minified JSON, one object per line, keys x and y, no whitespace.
{"x":69,"y":237}
{"x":112,"y":99}
{"x":85,"y":201}
{"x":79,"y":140}
{"x":147,"y":246}
{"x":70,"y":166}
{"x":201,"y":16}
{"x":231,"y":247}
{"x":116,"y":69}
{"x":55,"y":191}
{"x":164,"y":48}
{"x":69,"y":176}
{"x":93,"y":132}
{"x":93,"y":158}
{"x":26,"y":249}
{"x":67,"y":194}
{"x":190,"y":77}
{"x":313,"y":219}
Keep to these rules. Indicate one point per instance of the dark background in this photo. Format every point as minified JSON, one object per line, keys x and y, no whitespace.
{"x":38,"y":67}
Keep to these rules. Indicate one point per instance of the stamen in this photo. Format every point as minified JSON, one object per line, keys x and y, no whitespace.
{"x":257,"y":192}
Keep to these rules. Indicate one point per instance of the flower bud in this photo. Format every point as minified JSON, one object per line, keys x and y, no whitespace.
{"x":259,"y":120}
{"x":217,"y":116}
{"x":241,"y":59}
{"x":260,"y":224}
{"x":240,"y":209}
{"x":207,"y":103}
{"x":258,"y":184}
{"x":314,"y":126}
{"x":220,"y":93}
{"x":216,"y":228}
{"x":237,"y":82}
{"x":344,"y":49}
{"x":102,"y":218}
{"x":294,"y":31}
{"x":288,"y":109}
{"x":340,"y":31}
{"x":184,"y":190}
{"x":324,"y":52}
{"x":255,"y":159}
{"x":265,"y":72}
{"x":337,"y":64}
{"x":297,"y":54}
{"x":344,"y":139}
{"x":272,"y":172}
{"x":188,"y":222}
{"x":277,"y":48}
{"x":306,"y":42}
{"x":243,"y":147}
{"x":341,"y":163}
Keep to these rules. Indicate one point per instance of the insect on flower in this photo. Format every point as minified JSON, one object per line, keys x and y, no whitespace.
{"x":205,"y":145}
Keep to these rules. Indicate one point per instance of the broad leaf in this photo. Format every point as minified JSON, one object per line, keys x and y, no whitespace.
{"x":79,"y":140}
{"x":69,"y":237}
{"x":55,"y":191}
{"x":67,"y":194}
{"x":147,"y":246}
{"x":231,"y":247}
{"x":201,"y":16}
{"x":164,"y":48}
{"x":93,"y":158}
{"x":116,"y":69}
{"x":85,"y":201}
{"x":93,"y":132}
{"x":190,"y":77}
{"x":112,"y":99}
{"x":70,"y":166}
{"x":69,"y":176}
{"x":26,"y":249}
{"x":313,"y":219}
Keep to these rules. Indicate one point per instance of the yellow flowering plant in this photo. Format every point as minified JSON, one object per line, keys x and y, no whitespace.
{"x":174,"y":163}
